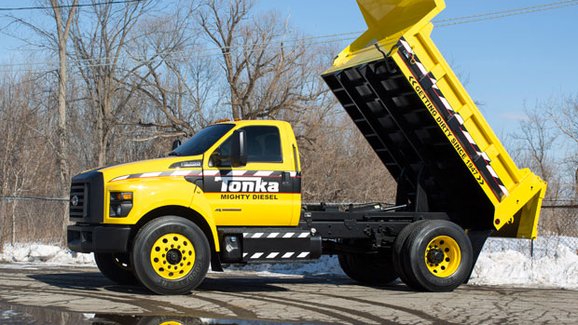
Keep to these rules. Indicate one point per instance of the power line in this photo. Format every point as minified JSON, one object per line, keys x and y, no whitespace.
{"x":504,"y":13}
{"x":514,"y":11}
{"x":78,"y":5}
{"x":320,"y":39}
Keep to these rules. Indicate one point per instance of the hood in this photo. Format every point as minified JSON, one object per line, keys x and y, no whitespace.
{"x":152,"y":166}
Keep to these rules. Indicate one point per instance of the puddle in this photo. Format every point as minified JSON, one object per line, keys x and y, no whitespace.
{"x":23,"y":315}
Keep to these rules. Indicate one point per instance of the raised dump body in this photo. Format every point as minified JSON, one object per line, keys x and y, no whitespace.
{"x":412,"y":109}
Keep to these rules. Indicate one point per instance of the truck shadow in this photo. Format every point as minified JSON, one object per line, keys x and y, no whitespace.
{"x":240,"y":283}
{"x":94,"y":281}
{"x":86,"y":281}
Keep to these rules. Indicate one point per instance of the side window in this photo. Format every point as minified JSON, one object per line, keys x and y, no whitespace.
{"x":222,"y":155}
{"x":263,"y":144}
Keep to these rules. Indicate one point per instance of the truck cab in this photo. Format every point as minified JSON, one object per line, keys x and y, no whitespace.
{"x":231,"y":174}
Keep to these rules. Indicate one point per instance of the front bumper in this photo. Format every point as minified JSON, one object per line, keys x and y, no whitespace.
{"x":98,"y":238}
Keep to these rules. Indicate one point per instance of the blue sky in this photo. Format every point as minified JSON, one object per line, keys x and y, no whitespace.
{"x":507,"y":64}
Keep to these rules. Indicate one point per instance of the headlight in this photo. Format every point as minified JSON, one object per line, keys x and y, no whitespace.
{"x":120,"y":204}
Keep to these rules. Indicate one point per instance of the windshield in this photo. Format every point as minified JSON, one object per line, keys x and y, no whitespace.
{"x":202,"y":141}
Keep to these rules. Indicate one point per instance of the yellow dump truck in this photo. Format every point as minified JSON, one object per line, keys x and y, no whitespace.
{"x":232,"y":193}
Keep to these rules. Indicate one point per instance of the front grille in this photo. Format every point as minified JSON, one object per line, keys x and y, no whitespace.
{"x":87,"y":191}
{"x":78,"y":204}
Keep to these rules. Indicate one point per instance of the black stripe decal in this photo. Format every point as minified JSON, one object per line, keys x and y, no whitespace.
{"x":452,"y":120}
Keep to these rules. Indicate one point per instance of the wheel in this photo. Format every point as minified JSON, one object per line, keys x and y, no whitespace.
{"x":437,"y":256}
{"x":397,"y":258}
{"x":167,"y":320}
{"x":115,"y":266}
{"x":371,"y":269}
{"x":171,"y":255}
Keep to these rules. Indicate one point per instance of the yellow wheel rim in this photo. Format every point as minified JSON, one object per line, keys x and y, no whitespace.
{"x":173,"y":256}
{"x":443,"y":256}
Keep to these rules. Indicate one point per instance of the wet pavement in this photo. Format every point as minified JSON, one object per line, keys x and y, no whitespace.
{"x":24,"y":315}
{"x":21,"y":315}
{"x":58,"y":295}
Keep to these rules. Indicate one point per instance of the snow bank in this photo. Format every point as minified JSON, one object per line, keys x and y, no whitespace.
{"x":509,"y":262}
{"x":45,"y":254}
{"x":504,"y":262}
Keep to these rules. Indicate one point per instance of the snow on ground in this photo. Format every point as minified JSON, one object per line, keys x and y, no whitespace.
{"x":503,"y":262}
{"x":44,"y":254}
{"x":508,"y":262}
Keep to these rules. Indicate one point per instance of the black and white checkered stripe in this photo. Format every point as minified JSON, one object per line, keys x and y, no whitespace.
{"x":276,"y":255}
{"x":453,"y":119}
{"x":248,"y":173}
{"x":172,"y":173}
{"x":208,"y":173}
{"x":280,"y":255}
{"x":276,"y":235}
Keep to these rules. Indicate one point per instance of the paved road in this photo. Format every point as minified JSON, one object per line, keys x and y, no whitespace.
{"x":83,"y":296}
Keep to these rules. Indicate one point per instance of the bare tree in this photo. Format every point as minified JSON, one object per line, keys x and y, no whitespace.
{"x":62,"y":13}
{"x":535,"y":141}
{"x":100,"y":57}
{"x":547,"y":142}
{"x":332,"y":161}
{"x":264,"y":74}
{"x":137,"y":76}
{"x":177,"y":81}
{"x":564,"y":116}
{"x":63,"y":22}
{"x":27,"y":155}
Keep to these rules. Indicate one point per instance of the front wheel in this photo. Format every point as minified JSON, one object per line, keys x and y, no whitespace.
{"x":115,"y":266}
{"x":171,"y":255}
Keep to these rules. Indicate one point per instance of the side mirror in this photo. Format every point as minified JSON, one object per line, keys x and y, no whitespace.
{"x":215,"y":160}
{"x":176,"y":144}
{"x":239,"y":149}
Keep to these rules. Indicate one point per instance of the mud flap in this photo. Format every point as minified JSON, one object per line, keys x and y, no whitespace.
{"x":478,"y":239}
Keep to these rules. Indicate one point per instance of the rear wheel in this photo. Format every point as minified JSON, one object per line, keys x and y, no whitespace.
{"x":171,"y":255}
{"x":115,"y":266}
{"x":437,"y":256}
{"x":397,"y":259}
{"x":371,"y":269}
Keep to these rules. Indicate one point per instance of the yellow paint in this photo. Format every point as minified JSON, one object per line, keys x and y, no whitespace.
{"x":172,"y":256}
{"x":387,"y":21}
{"x":390,"y":20}
{"x":452,"y":256}
{"x":153,"y":192}
{"x":258,"y":209}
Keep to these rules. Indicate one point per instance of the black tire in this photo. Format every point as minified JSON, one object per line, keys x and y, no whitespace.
{"x":397,"y":258}
{"x":369,"y":269}
{"x":171,"y":255}
{"x":448,"y":252}
{"x":116,"y":267}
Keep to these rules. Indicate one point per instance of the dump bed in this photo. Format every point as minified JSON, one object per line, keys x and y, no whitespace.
{"x":419,"y":119}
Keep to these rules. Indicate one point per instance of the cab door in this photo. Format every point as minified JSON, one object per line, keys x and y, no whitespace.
{"x":260,"y":193}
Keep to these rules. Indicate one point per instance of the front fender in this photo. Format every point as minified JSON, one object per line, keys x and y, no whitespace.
{"x":150,"y":194}
{"x":201,"y":205}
